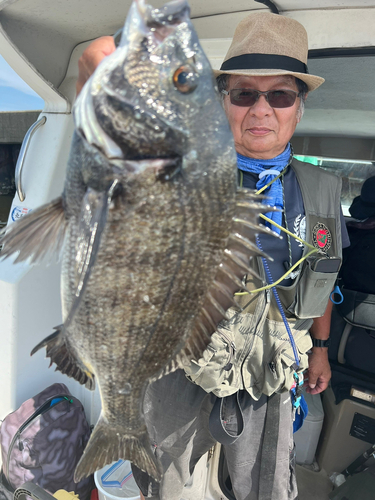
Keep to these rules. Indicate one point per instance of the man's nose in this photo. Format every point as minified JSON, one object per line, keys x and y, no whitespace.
{"x":261,"y":107}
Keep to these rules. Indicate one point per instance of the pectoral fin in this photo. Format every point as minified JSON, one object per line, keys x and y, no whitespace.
{"x":37,"y":235}
{"x":93,"y":217}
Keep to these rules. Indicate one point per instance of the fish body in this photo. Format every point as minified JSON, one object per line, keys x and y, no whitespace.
{"x":154,"y":229}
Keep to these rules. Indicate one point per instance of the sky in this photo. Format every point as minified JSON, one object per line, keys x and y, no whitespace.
{"x":15,"y":94}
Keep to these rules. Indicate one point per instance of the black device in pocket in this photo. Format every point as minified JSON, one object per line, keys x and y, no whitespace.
{"x":326,"y":265}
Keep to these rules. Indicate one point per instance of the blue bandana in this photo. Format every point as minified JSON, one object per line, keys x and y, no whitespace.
{"x":268,"y":170}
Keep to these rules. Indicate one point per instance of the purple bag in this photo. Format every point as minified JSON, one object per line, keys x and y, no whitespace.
{"x":43,"y":441}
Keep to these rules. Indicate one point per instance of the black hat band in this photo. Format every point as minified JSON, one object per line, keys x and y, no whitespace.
{"x":264,"y":61}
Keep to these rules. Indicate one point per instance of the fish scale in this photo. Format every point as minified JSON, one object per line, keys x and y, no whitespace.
{"x":157,"y":237}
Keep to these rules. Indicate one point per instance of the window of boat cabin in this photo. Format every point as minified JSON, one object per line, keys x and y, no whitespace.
{"x":20,"y":107}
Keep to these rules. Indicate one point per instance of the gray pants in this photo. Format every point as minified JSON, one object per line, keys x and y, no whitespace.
{"x":177,"y":417}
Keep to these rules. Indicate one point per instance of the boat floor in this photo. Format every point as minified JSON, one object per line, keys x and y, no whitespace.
{"x":312,"y":484}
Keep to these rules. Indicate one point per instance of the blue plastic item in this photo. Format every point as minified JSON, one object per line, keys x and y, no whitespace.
{"x":115,"y":483}
{"x":336,"y":291}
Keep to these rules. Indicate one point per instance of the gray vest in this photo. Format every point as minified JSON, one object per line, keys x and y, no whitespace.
{"x":252,"y":350}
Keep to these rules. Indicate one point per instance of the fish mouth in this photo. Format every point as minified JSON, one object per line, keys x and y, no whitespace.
{"x":143,"y":22}
{"x":156,"y":23}
{"x":172,"y":13}
{"x":144,"y":19}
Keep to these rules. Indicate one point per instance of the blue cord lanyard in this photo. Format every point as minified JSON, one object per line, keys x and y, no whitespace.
{"x":267,"y":269}
{"x":278,"y":302}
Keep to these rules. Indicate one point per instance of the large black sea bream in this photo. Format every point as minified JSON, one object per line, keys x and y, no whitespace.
{"x":157,"y":237}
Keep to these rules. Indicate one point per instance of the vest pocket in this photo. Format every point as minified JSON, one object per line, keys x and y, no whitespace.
{"x":212,"y":368}
{"x":279,"y":370}
{"x":312,"y":292}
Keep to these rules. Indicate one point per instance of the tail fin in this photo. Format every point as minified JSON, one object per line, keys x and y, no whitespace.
{"x":37,"y":235}
{"x":108,"y":444}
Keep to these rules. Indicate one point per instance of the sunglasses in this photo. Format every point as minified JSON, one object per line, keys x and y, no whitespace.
{"x":275,"y":98}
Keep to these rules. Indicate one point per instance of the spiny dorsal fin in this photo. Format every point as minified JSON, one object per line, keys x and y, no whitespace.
{"x":240,"y":249}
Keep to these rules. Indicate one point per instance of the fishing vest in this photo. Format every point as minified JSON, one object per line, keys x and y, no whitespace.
{"x":251,"y":350}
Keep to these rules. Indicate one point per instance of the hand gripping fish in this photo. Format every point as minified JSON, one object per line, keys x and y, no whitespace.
{"x":156,"y":235}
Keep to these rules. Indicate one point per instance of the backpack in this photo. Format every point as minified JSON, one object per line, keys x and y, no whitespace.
{"x":43,"y":440}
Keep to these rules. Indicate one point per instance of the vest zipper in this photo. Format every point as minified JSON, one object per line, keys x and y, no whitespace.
{"x":265,"y":304}
{"x":272,"y":367}
{"x":42,"y":409}
{"x":232,"y":351}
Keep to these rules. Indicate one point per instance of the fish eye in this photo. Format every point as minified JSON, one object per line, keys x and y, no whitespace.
{"x":185,"y":79}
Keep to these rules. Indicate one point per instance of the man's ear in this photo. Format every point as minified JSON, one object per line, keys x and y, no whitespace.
{"x":301,"y":109}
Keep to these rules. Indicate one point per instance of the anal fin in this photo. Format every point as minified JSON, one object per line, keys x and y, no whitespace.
{"x":66,"y":362}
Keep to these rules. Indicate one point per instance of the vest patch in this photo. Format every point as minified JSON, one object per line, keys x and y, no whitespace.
{"x":322,"y":237}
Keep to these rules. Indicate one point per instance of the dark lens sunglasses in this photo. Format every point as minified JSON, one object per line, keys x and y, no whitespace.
{"x":275,"y":98}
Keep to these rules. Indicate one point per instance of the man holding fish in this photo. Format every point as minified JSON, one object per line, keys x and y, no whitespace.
{"x":238,"y":393}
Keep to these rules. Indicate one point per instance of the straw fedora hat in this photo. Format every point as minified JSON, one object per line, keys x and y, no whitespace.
{"x":266,"y":44}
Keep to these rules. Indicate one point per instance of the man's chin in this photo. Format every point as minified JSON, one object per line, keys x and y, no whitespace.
{"x":260,"y":148}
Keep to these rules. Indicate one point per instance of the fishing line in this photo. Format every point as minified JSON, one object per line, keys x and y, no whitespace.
{"x":286,"y":231}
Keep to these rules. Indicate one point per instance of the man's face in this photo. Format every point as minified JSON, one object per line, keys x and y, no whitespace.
{"x":260,"y":131}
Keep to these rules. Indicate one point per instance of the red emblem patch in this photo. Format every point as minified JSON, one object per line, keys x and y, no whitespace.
{"x":322,"y":237}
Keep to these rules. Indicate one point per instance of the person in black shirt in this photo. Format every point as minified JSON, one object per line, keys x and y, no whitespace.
{"x":358,"y":267}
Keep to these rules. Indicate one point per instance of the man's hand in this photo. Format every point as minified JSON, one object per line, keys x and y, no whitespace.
{"x":91,"y":57}
{"x":318,"y":374}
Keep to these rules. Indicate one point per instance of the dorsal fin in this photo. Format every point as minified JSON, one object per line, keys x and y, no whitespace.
{"x":240,"y":249}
